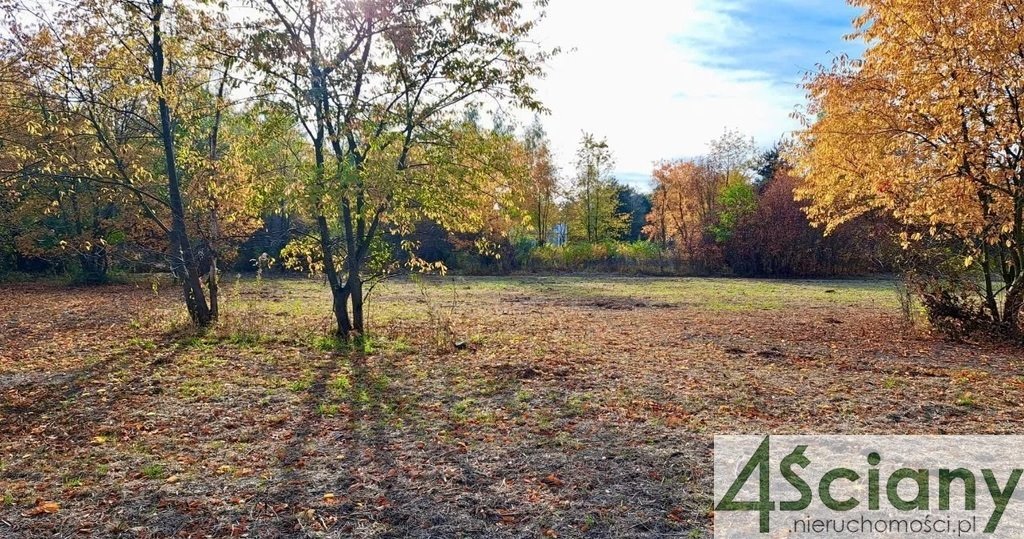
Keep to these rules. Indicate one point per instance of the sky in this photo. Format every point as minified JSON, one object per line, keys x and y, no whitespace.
{"x":662,"y":78}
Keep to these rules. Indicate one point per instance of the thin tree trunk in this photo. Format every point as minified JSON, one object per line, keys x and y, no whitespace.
{"x":990,"y":295}
{"x":355,"y":287}
{"x":213,"y":280}
{"x":1012,"y":308}
{"x":183,"y":257}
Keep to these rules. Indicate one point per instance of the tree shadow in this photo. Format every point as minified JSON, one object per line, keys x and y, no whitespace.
{"x":310,"y":492}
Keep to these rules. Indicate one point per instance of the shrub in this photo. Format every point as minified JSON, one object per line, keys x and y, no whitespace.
{"x":607,"y":256}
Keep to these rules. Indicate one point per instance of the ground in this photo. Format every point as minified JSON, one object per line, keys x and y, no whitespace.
{"x":570,"y":407}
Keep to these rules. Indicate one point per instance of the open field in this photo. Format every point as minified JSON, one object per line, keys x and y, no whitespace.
{"x":574,"y":407}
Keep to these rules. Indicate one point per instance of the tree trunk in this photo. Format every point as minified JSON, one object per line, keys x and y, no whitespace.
{"x":183,"y":257}
{"x":1012,"y":306}
{"x":340,"y":296}
{"x":214,"y":286}
{"x":95,"y":264}
{"x":339,"y":292}
{"x":355,"y":288}
{"x":213,"y":279}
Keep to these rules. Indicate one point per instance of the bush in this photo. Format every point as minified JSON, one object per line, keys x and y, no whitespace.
{"x":777,"y":240}
{"x":953,"y":295}
{"x":607,"y":256}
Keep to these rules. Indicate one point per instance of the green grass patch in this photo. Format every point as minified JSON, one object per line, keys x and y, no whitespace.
{"x":201,"y":389}
{"x":154,"y":471}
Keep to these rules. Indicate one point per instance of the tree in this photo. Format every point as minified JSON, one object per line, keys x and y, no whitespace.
{"x":542,"y":189}
{"x":375,"y":86}
{"x":928,"y":128}
{"x":594,"y":202}
{"x":124,"y":82}
{"x":65,"y":225}
{"x":767,"y":165}
{"x":732,"y":155}
{"x":736,"y":201}
{"x":697,"y":203}
{"x":636,"y":206}
{"x":777,"y":239}
{"x":685,"y":205}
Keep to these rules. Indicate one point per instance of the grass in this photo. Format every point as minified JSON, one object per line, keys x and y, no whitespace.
{"x":327,"y":409}
{"x":614,"y":384}
{"x":154,"y":471}
{"x":966,"y":399}
{"x":201,"y":389}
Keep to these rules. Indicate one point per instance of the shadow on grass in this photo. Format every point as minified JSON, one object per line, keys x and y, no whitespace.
{"x":320,"y":455}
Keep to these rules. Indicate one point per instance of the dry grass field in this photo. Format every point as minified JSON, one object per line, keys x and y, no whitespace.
{"x":570,"y":407}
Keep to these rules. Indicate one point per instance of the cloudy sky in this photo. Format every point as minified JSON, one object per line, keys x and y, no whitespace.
{"x":661,"y":78}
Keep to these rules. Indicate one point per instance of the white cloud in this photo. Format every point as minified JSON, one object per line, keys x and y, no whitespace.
{"x":637,"y":72}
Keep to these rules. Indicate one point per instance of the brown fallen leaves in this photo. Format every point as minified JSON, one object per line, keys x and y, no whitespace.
{"x":553,"y":481}
{"x":566,"y":413}
{"x":42,"y":508}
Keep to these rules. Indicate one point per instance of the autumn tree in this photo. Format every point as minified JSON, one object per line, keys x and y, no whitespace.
{"x":777,"y":238}
{"x":593,"y":204}
{"x":376,"y":86}
{"x":928,"y":128}
{"x":697,"y":203}
{"x":676,"y":217}
{"x":542,"y":190}
{"x":50,"y":212}
{"x":128,"y":83}
{"x":684,"y":207}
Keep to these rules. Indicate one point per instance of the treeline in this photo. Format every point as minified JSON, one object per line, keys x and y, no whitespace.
{"x":732,"y":211}
{"x":343,"y":138}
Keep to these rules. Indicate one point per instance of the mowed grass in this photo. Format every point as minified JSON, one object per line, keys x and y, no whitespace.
{"x":716,"y":294}
{"x":476,"y":407}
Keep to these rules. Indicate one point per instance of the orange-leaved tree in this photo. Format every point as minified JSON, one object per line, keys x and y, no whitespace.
{"x":928,"y":127}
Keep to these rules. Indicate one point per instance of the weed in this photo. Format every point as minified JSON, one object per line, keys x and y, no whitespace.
{"x":329,"y":343}
{"x":576,"y":405}
{"x":461,"y":409}
{"x":366,"y":344}
{"x":302,"y":384}
{"x":153,"y":471}
{"x":966,"y":399}
{"x":442,"y":324}
{"x":340,"y":386}
{"x":144,"y":344}
{"x":245,"y":338}
{"x":196,"y":341}
{"x":327,"y":409}
{"x":381,"y":382}
{"x":399,"y":346}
